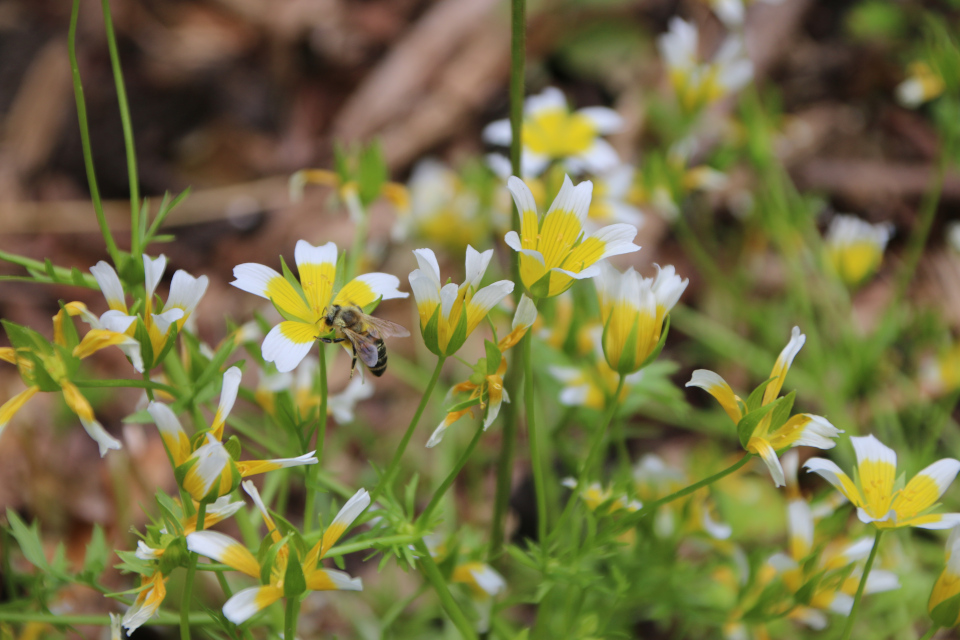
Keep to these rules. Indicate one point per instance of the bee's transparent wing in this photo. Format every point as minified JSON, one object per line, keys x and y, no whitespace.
{"x":385,"y":328}
{"x":365,"y":346}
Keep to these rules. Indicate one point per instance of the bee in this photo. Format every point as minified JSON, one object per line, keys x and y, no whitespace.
{"x":365,"y":334}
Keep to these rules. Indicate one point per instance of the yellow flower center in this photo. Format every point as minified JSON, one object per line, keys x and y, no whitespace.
{"x":557,"y":133}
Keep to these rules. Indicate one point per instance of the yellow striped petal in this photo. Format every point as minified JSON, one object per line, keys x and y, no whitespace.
{"x":251,"y":490}
{"x":228,"y":396}
{"x":317,"y":269}
{"x":331,"y":580}
{"x":247,"y":603}
{"x":925,"y":488}
{"x":716,"y":386}
{"x":877,"y":469}
{"x":782,"y":365}
{"x":267,"y":283}
{"x":254,"y":467}
{"x":288,"y":343}
{"x":223,"y":548}
{"x":344,"y":518}
{"x":171,"y":432}
{"x":14,"y":404}
{"x":368,"y":288}
{"x":8,"y":354}
{"x":830,"y":472}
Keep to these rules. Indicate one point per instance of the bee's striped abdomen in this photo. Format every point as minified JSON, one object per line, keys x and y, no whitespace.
{"x":381,"y":365}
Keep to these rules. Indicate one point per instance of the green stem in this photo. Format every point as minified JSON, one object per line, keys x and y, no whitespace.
{"x":536,"y":460}
{"x":391,"y":469}
{"x":188,"y":582}
{"x":163,"y":618}
{"x":127,"y":130}
{"x":650,"y":508}
{"x":85,"y":138}
{"x":310,"y":515}
{"x":596,"y":447}
{"x":432,"y":573}
{"x":123,"y":384}
{"x":508,"y":447}
{"x":931,"y":632}
{"x":448,"y":481}
{"x":291,"y":613}
{"x":848,"y":629}
{"x":60,"y":274}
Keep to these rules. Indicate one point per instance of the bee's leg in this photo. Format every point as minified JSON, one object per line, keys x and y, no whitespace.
{"x":353,"y":365}
{"x":332,"y":340}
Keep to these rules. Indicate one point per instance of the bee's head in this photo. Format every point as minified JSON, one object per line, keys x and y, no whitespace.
{"x":330,"y":314}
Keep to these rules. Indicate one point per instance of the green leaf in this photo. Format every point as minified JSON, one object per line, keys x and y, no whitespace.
{"x":40,"y":375}
{"x":69,"y":329}
{"x":371,"y":173}
{"x":749,"y":422}
{"x":266,"y":565}
{"x":493,"y":357}
{"x":146,"y":345}
{"x":172,"y":513}
{"x":95,"y":559}
{"x":947,"y":613}
{"x":25,"y":338}
{"x":431,"y":333}
{"x":459,"y":334}
{"x":294,"y":583}
{"x":29,"y":540}
{"x":541,"y":288}
{"x":233,"y":447}
{"x":756,"y":397}
{"x":782,"y":413}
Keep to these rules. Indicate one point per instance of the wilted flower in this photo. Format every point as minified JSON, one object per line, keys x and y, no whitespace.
{"x":803,"y":429}
{"x":551,"y":132}
{"x":874,"y":493}
{"x":449,"y":312}
{"x":554,"y":250}
{"x":304,"y":304}
{"x":855,"y":247}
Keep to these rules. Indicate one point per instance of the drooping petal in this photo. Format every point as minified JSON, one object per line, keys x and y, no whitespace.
{"x":288,"y":343}
{"x":932,"y":521}
{"x":171,"y":432}
{"x":247,"y":603}
{"x":267,"y":283}
{"x":829,"y":471}
{"x":251,"y":490}
{"x":147,"y":603}
{"x":14,"y":404}
{"x":806,"y":430}
{"x":219,"y":510}
{"x":767,"y":453}
{"x":317,"y":268}
{"x":223,"y":548}
{"x":228,"y":396}
{"x":146,"y":552}
{"x":349,"y":512}
{"x":716,"y":386}
{"x":332,"y":580}
{"x":80,"y":406}
{"x":163,"y":321}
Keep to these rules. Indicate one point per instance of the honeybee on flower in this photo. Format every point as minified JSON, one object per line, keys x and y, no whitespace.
{"x":554,"y":250}
{"x":305,"y":303}
{"x":552,"y":132}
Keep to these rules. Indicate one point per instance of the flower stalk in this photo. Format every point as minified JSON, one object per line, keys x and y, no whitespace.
{"x":848,"y":629}
{"x":188,"y":582}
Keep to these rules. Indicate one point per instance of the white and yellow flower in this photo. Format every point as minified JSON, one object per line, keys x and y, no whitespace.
{"x":633,"y":310}
{"x":921,"y":85}
{"x":207,"y":471}
{"x":595,"y":495}
{"x":246,"y":603}
{"x":450,"y":312}
{"x":855,"y":247}
{"x":699,"y":84}
{"x":944,"y":604}
{"x":442,"y":209}
{"x":303,"y":307}
{"x":591,"y":385}
{"x":147,"y":603}
{"x":803,"y":429}
{"x":551,"y":132}
{"x":610,"y":199}
{"x":554,"y":251}
{"x":874,"y":491}
{"x":940,"y":373}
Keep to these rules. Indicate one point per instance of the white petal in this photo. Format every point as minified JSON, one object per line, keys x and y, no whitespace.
{"x":145,"y":552}
{"x":448,"y":295}
{"x":116,"y":321}
{"x":152,"y":272}
{"x":599,"y":158}
{"x":499,"y":164}
{"x":487,"y":298}
{"x":343,"y":581}
{"x":186,"y":291}
{"x":942,"y":473}
{"x":163,"y":320}
{"x":383,"y":285}
{"x":306,"y":254}
{"x":498,"y":132}
{"x":476,"y":266}
{"x":801,"y":526}
{"x":526,"y":313}
{"x":869,"y":448}
{"x":817,"y":433}
{"x":522,"y":196}
{"x":429,"y":267}
{"x":880,"y":580}
{"x":548,"y":99}
{"x":605,"y":120}
{"x":109,"y":283}
{"x":437,"y":436}
{"x":488,"y":580}
{"x":352,"y":509}
{"x":228,"y":392}
{"x":245,"y":604}
{"x":104,"y":440}
{"x":282,"y":351}
{"x":575,"y":199}
{"x":532,"y":164}
{"x":253,"y":278}
{"x":426,"y":290}
{"x":617,"y":239}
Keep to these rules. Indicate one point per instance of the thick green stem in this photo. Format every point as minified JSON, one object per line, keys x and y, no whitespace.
{"x":310,"y":513}
{"x":188,"y":582}
{"x":432,"y":573}
{"x":508,"y":447}
{"x":391,"y":469}
{"x":127,"y":130}
{"x":650,"y":508}
{"x":536,"y":460}
{"x":291,"y":614}
{"x":848,"y":629}
{"x":448,"y":481}
{"x":85,"y":138}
